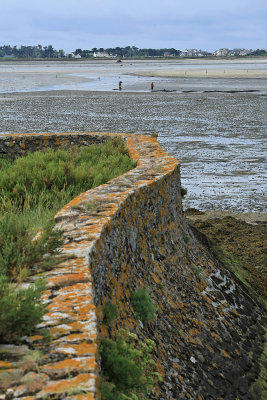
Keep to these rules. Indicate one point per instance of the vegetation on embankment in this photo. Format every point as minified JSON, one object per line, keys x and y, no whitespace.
{"x":33,"y":189}
{"x":240,"y":246}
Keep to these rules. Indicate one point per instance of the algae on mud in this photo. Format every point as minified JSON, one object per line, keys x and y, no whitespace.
{"x":240,"y":246}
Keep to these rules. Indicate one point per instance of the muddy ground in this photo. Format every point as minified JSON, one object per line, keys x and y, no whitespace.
{"x":218,"y":137}
{"x":243,"y":239}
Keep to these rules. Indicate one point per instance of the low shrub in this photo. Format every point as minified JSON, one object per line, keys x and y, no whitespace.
{"x":143,"y":306}
{"x":128,"y":369}
{"x":20,"y":309}
{"x":111,"y":312}
{"x":186,"y":238}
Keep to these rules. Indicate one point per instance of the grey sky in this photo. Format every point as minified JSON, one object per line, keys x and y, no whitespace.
{"x":71,"y":24}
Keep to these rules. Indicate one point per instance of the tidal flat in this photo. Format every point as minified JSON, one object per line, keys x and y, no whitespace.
{"x":216,"y":126}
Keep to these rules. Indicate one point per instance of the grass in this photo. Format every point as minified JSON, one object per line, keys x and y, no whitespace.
{"x":143,"y":306}
{"x":197,"y":271}
{"x":32,"y":190}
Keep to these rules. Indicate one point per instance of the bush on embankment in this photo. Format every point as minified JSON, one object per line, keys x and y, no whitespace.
{"x":32,"y":190}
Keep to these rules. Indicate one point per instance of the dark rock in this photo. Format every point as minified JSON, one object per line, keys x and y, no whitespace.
{"x":242,"y":386}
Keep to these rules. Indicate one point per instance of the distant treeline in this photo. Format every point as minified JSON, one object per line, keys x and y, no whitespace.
{"x":129,"y":51}
{"x":49,"y":52}
{"x":31,"y":52}
{"x":40,"y":51}
{"x":258,"y":52}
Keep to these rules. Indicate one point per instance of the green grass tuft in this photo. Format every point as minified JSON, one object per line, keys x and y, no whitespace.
{"x":142,"y":304}
{"x":111,"y":312}
{"x":128,"y":369}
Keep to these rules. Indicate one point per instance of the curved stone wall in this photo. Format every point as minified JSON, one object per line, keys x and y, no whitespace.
{"x":129,"y":233}
{"x":70,"y":297}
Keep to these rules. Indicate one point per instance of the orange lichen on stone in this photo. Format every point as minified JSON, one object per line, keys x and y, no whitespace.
{"x":46,"y":140}
{"x":209,"y":348}
{"x":82,"y":382}
{"x":234,"y":311}
{"x":176,"y":366}
{"x":36,"y":338}
{"x":22,"y":144}
{"x":160,"y":369}
{"x":70,"y":365}
{"x":5,"y":365}
{"x":68,"y":279}
{"x":74,"y":337}
{"x":214,"y":335}
{"x":194,"y":332}
{"x":208,"y":300}
{"x":80,"y":349}
{"x":60,"y":141}
{"x":225,"y":354}
{"x":84,"y":396}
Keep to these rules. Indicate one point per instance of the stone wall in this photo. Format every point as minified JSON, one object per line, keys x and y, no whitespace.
{"x":208,"y":331}
{"x":17,"y":145}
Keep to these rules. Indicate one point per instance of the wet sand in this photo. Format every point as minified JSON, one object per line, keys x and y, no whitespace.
{"x":207,"y":73}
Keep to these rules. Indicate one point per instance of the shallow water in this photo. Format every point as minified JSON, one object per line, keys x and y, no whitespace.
{"x":220,"y":138}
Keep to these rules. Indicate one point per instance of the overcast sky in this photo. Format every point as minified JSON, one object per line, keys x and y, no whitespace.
{"x":72,"y":24}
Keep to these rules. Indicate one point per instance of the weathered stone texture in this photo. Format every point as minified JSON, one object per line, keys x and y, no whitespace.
{"x":208,"y":331}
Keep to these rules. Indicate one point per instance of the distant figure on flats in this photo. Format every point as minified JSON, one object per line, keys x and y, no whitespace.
{"x":152,"y":86}
{"x":120,"y":83}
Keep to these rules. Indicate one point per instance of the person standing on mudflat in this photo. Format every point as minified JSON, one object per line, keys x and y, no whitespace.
{"x":120,"y":83}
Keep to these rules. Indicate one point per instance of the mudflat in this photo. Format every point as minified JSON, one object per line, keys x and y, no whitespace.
{"x":207,"y":73}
